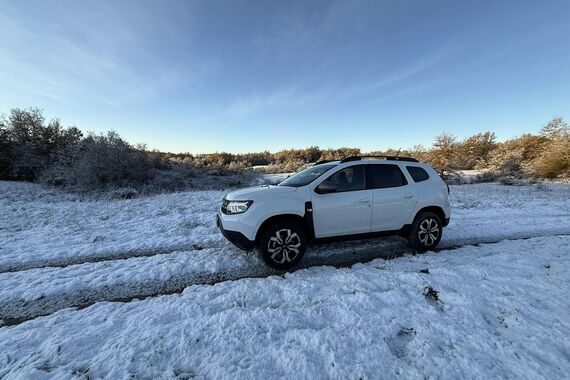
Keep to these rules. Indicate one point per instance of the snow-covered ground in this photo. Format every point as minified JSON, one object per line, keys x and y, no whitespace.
{"x":40,"y":227}
{"x":496,"y":311}
{"x":58,"y":251}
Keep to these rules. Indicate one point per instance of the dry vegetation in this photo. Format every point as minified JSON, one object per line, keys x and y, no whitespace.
{"x":33,"y":150}
{"x":542,"y":156}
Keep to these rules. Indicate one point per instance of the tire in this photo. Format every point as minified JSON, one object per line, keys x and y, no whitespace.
{"x":282,"y":245}
{"x":426,"y":232}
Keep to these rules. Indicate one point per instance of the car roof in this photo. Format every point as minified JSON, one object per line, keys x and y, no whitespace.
{"x":372,"y":161}
{"x":377,"y":161}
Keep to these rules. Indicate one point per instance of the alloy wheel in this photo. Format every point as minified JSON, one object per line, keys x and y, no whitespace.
{"x":429,"y":231}
{"x":284,"y":246}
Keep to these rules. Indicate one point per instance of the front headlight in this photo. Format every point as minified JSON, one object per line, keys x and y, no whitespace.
{"x":236,"y":207}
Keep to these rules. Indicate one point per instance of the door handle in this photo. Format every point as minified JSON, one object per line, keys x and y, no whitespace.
{"x":408,"y":196}
{"x":364,"y":200}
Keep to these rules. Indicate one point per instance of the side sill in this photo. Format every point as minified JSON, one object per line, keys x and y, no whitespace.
{"x":404,"y":231}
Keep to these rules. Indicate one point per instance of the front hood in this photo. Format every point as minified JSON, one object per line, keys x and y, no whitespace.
{"x":251,"y":193}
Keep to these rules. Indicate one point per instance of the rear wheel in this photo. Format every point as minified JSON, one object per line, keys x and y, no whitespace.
{"x":426,"y":232}
{"x":282,"y":245}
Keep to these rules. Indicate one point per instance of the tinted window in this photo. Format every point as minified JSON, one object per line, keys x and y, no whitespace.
{"x":348,"y":179}
{"x":306,"y":176}
{"x":417,"y":173}
{"x":382,"y":176}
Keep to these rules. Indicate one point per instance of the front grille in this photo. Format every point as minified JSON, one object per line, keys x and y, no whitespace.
{"x":224,"y":207}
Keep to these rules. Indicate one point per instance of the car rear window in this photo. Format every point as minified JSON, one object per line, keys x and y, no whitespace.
{"x":418,"y":174}
{"x":384,"y":175}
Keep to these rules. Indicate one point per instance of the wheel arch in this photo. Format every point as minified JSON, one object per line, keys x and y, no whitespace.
{"x":292,"y":218}
{"x":433,"y":209}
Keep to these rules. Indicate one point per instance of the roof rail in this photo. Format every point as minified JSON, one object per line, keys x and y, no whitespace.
{"x":323,"y":162}
{"x":390,"y":158}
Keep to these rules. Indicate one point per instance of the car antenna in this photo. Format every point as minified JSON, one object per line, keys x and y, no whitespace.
{"x":397,"y":154}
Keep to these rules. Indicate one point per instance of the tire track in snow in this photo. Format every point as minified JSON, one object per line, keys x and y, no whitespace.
{"x":63,"y":262}
{"x":18,"y":311}
{"x":218,"y":242}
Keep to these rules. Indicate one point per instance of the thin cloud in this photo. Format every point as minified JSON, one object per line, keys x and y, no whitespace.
{"x":299,"y":96}
{"x":286,"y":98}
{"x":400,"y":76}
{"x":66,"y":62}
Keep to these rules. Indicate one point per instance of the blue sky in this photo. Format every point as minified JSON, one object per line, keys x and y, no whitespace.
{"x":204,"y":76}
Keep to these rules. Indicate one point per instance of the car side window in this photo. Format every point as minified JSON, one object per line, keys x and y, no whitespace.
{"x":347,"y":179}
{"x":384,"y":176}
{"x":418,"y":174}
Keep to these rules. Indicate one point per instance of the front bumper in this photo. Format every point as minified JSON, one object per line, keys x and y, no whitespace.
{"x":235,"y":237}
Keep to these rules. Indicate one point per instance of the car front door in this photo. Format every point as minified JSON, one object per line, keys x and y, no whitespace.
{"x":342,"y":204}
{"x":392,"y":197}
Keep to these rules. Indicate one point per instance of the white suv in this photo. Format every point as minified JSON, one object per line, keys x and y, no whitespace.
{"x":352,"y":198}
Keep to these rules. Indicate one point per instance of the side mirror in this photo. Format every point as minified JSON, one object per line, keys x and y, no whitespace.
{"x":326,"y":187}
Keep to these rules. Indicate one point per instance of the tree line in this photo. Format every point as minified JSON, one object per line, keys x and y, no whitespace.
{"x":33,"y":149}
{"x":545,"y":155}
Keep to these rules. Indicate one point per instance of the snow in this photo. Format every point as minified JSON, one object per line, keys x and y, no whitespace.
{"x":169,"y":242}
{"x":41,"y":227}
{"x":502,"y":311}
{"x":370,"y":320}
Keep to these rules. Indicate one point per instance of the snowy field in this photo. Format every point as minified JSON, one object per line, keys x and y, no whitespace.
{"x":74,"y":272}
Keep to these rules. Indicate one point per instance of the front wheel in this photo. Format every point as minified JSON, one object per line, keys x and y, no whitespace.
{"x":426,"y":232}
{"x":282,"y":245}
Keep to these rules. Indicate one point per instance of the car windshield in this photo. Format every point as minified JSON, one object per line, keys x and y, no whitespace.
{"x":306,"y":176}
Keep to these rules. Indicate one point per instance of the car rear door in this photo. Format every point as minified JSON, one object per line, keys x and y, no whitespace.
{"x":393,"y":198}
{"x":342,"y":204}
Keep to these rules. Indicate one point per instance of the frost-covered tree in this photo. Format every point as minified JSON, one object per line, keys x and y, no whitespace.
{"x":556,"y":129}
{"x":555,"y":158}
{"x":443,"y":156}
{"x":474,"y":151}
{"x":28,"y":146}
{"x":514,"y":157}
{"x":5,"y":151}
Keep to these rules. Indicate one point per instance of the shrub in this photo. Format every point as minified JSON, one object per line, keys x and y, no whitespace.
{"x":475,"y":151}
{"x":178,"y":177}
{"x":107,"y":161}
{"x":33,"y":149}
{"x":487,"y":176}
{"x":514,"y":157}
{"x":554,"y":162}
{"x":124,"y":193}
{"x":555,"y":159}
{"x":443,"y":156}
